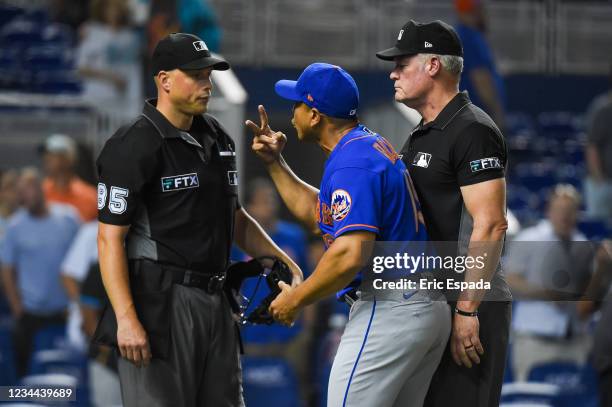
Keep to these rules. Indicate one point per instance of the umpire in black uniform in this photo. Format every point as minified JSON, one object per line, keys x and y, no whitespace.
{"x":457,"y":158}
{"x":168,"y":190}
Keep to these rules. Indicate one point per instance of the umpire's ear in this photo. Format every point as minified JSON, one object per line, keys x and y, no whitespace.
{"x":163,"y":81}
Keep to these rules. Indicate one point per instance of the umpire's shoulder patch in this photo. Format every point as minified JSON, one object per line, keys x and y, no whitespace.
{"x":486,"y":164}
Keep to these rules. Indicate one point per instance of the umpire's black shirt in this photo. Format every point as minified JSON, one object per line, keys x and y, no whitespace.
{"x":461,"y":146}
{"x":176,"y":189}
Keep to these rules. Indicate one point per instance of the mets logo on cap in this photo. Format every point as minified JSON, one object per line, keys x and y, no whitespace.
{"x":340,"y":204}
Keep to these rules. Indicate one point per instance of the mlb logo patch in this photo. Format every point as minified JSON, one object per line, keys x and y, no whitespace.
{"x":178,"y":182}
{"x":485,"y":164}
{"x":341,"y":203}
{"x":232,"y":177}
{"x":200,"y":46}
{"x":421,"y":160}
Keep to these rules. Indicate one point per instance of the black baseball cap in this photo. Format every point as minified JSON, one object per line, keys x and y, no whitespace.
{"x":184,"y":51}
{"x":435,"y":37}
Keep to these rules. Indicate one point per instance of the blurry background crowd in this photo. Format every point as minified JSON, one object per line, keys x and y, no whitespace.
{"x":73,"y":71}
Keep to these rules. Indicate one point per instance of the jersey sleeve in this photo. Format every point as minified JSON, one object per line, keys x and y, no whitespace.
{"x":125,"y":166}
{"x":81,"y":254}
{"x":355,"y":200}
{"x":479,"y":155}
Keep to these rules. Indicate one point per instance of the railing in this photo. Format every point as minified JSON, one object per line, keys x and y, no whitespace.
{"x":526,"y":36}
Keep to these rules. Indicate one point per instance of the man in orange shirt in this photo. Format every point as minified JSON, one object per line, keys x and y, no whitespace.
{"x":61,"y":183}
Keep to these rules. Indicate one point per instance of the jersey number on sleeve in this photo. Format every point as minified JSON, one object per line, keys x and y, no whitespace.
{"x":117,"y":203}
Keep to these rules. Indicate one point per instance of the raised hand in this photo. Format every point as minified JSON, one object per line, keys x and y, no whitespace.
{"x":267,"y":144}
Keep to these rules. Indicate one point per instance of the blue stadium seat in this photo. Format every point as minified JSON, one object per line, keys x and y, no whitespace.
{"x":562,"y":374}
{"x":21,"y":32}
{"x":578,"y":384}
{"x":561,"y":125}
{"x":595,"y":229}
{"x":8,"y":13}
{"x":63,"y":361}
{"x":52,"y":337}
{"x":56,"y":83}
{"x":58,"y":34}
{"x":53,"y":380}
{"x":528,"y":392}
{"x":518,"y":123}
{"x":45,"y":58}
{"x":269,"y":382}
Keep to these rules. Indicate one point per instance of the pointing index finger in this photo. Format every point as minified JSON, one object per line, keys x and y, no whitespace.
{"x":263,"y":117}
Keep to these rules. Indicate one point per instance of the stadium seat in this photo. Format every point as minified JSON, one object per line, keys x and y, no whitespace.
{"x":54,"y":380}
{"x":63,"y":361}
{"x":52,"y":337}
{"x":269,"y":382}
{"x":8,"y":13}
{"x":563,"y":374}
{"x":56,"y":83}
{"x":528,"y":392}
{"x":47,"y":58}
{"x":66,"y":361}
{"x":58,"y":34}
{"x":595,"y":229}
{"x":578,"y":384}
{"x":21,"y":32}
{"x":561,"y":125}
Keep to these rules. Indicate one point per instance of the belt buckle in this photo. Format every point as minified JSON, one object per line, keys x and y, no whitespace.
{"x":215,"y":283}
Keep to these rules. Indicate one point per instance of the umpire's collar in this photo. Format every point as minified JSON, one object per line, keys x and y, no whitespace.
{"x":450,"y":111}
{"x":166,"y":128}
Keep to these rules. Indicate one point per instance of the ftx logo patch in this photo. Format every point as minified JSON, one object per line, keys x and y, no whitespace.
{"x":422,"y":160}
{"x":177,"y":182}
{"x":485,"y":164}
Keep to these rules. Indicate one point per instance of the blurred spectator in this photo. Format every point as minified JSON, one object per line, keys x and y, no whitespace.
{"x":598,"y":186}
{"x":83,"y":283}
{"x":8,"y":206}
{"x":277,"y":340}
{"x":198,"y":17}
{"x":36,"y":241}
{"x":108,"y":59}
{"x":163,"y":21}
{"x":549,"y":266}
{"x":514,"y":226}
{"x":61,"y":184}
{"x":69,"y":12}
{"x":8,"y":199}
{"x":480,"y":76}
{"x":82,"y":254}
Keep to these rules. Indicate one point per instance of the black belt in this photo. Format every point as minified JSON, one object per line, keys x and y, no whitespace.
{"x":212,"y":283}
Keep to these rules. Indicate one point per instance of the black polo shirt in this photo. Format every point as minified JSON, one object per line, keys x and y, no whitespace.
{"x":176,"y":189}
{"x":461,"y":146}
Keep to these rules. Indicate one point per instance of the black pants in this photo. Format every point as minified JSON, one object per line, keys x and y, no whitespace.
{"x":479,"y":386}
{"x":605,"y":388}
{"x":24,"y":331}
{"x":202,"y":367}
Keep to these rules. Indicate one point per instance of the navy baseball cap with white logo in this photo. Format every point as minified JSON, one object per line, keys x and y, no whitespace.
{"x":435,"y":37}
{"x":326,"y":87}
{"x":184,"y":51}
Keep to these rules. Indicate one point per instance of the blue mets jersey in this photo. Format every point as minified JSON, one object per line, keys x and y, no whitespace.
{"x":366,"y":186}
